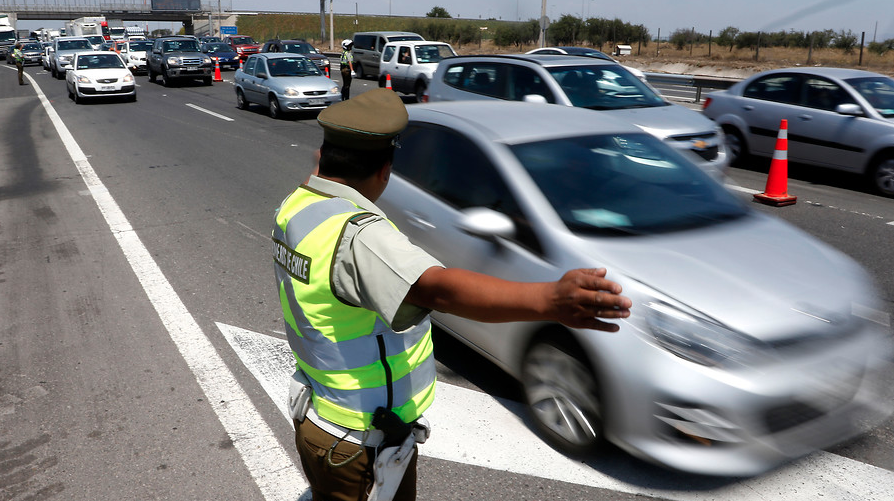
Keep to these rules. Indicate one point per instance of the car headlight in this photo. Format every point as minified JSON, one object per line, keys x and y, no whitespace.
{"x":175,"y":61}
{"x":83,"y":79}
{"x":65,"y":59}
{"x":702,"y":341}
{"x":207,"y":60}
{"x":334,"y":89}
{"x":127,"y":78}
{"x":291,"y":92}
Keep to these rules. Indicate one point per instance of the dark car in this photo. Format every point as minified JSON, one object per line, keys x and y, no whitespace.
{"x":31,"y":51}
{"x":298,"y":47}
{"x":178,"y":58}
{"x":209,"y":39}
{"x":224,"y":53}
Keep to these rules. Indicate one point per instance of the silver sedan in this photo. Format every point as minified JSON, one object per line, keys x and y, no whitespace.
{"x":838,"y":118}
{"x":749,"y":342}
{"x":284,"y":82}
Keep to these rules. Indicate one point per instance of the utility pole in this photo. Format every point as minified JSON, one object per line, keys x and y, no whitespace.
{"x":322,"y":20}
{"x":331,"y":26}
{"x":544,"y":23}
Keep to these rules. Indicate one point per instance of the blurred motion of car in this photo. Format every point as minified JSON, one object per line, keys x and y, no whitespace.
{"x":583,"y":82}
{"x":99,"y":74}
{"x":411,"y":65}
{"x":719,"y":370}
{"x":838,"y":118}
{"x":284,"y":82}
{"x":299,"y":47}
{"x":224,"y":53}
{"x":588,"y":52}
{"x":32,"y":52}
{"x":133,"y":52}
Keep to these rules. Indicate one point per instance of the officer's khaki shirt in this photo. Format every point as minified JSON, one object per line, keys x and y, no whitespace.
{"x":376,"y":265}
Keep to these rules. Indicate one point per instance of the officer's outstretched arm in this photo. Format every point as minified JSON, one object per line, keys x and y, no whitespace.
{"x":578,"y":299}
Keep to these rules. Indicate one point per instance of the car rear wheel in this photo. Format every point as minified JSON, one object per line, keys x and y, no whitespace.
{"x":420,"y":91}
{"x":735,"y":146}
{"x":273,"y":107}
{"x":563,"y":397}
{"x":358,"y":69}
{"x":881,"y":175}
{"x":241,"y":103}
{"x":152,"y":75}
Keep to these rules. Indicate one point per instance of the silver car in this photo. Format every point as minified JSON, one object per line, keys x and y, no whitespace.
{"x":749,"y":341}
{"x":582,"y":82}
{"x":284,"y":82}
{"x":838,"y":118}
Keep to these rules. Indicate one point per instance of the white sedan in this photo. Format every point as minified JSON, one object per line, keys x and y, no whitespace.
{"x":99,"y":73}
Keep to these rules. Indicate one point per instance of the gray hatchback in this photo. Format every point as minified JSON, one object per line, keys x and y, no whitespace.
{"x":838,"y":118}
{"x":584,"y":83}
{"x":284,"y":82}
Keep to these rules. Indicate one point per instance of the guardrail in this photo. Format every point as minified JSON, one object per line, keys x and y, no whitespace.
{"x":699,"y":82}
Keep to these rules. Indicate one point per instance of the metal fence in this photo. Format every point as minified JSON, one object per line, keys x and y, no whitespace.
{"x":137,"y":6}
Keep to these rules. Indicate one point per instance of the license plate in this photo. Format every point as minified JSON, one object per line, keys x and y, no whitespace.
{"x":315,"y":102}
{"x":106,"y":87}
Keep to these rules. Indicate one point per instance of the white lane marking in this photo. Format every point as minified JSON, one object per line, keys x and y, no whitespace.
{"x":218,"y":115}
{"x":742,"y":189}
{"x":474,"y":428}
{"x":272,"y":468}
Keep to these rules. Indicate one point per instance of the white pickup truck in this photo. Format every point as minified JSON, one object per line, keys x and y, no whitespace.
{"x":411,"y":65}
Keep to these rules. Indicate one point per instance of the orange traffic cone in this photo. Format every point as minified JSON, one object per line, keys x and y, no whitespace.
{"x":217,"y":77}
{"x":327,"y":72}
{"x":776,"y":192}
{"x":388,"y":80}
{"x":240,"y":63}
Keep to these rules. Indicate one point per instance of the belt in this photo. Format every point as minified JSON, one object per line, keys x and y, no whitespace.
{"x":368,"y":438}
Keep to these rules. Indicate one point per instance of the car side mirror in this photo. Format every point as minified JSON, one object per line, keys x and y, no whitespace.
{"x":534,"y":98}
{"x":156,"y":51}
{"x":849,"y":109}
{"x":486,"y":223}
{"x":262,"y":75}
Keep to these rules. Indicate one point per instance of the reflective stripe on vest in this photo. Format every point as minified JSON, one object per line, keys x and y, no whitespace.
{"x":355,"y":362}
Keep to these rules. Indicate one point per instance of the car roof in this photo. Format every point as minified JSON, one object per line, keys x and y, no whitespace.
{"x":545,"y":60}
{"x":519,"y":122}
{"x":840,"y":73}
{"x":416,"y":42}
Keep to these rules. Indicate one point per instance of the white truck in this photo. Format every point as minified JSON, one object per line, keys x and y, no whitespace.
{"x":7,"y":33}
{"x":84,"y":26}
{"x":113,"y":29}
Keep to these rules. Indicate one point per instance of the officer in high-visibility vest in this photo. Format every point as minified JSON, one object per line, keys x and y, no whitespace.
{"x":19,"y":57}
{"x":356,"y":297}
{"x":347,"y":68}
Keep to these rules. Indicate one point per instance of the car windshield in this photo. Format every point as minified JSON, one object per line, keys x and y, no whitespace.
{"x":625,"y":184}
{"x":299,"y":48}
{"x":140,"y":46}
{"x":432,"y":53}
{"x":583,"y":51}
{"x":879,"y":91}
{"x":181,"y":46}
{"x":99,"y":61}
{"x":242,"y":40}
{"x":604,"y":87}
{"x":292,"y":67}
{"x":7,"y":35}
{"x":216,"y":47}
{"x":96,"y":39}
{"x":74,"y":44}
{"x":31,"y":46}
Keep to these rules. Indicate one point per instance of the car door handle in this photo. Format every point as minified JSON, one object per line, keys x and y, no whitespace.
{"x":805,"y":117}
{"x":419,"y":221}
{"x":748,"y":107}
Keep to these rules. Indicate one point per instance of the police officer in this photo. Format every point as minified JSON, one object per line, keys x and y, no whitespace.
{"x":356,"y":297}
{"x":347,"y":68}
{"x":19,"y":59}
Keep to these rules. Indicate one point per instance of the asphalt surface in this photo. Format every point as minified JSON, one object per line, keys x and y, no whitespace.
{"x":98,"y":401}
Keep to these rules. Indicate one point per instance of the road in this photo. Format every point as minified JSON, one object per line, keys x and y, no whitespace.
{"x":141,"y":344}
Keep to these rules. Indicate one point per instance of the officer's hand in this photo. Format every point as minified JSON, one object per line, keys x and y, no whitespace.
{"x":582,"y":295}
{"x":353,"y":74}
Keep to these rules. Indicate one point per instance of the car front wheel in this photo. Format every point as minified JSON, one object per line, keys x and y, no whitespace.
{"x":881,"y":175}
{"x":358,"y":69}
{"x":241,"y":103}
{"x":165,"y":79}
{"x":273,"y":106}
{"x":563,"y":397}
{"x":735,"y":146}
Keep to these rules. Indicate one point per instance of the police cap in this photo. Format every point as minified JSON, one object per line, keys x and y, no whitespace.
{"x":367,"y":122}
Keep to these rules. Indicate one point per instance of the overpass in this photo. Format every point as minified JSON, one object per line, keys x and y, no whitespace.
{"x":185,"y":11}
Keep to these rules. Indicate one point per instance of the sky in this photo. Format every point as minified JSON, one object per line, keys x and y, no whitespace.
{"x":874,"y":17}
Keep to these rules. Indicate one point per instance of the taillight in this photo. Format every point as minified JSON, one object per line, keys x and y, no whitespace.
{"x":707,"y":103}
{"x":425,"y":97}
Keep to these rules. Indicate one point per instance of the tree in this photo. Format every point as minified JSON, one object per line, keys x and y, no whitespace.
{"x":438,"y":12}
{"x":567,"y":30}
{"x":727,"y":37}
{"x":845,"y":40}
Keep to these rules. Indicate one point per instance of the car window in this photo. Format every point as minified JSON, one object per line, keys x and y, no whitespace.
{"x":824,"y":94}
{"x":388,"y":53}
{"x":778,"y":88}
{"x":250,"y":66}
{"x":454,"y":169}
{"x":604,"y":87}
{"x":879,"y":91}
{"x":99,"y":61}
{"x":404,"y":56}
{"x":138,"y":46}
{"x":365,"y":42}
{"x":216,"y":47}
{"x":525,"y":81}
{"x":479,"y":77}
{"x":432,"y":53}
{"x":299,"y":48}
{"x":625,"y":184}
{"x":74,"y":44}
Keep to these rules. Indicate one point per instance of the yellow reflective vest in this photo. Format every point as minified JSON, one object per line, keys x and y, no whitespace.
{"x":354,"y":360}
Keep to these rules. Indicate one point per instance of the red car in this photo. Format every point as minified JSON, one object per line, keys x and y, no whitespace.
{"x":243,"y":45}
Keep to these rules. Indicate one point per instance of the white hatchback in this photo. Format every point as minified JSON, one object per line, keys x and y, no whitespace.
{"x":99,"y":73}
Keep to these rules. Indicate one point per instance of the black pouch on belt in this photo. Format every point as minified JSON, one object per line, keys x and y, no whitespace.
{"x":392,"y":426}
